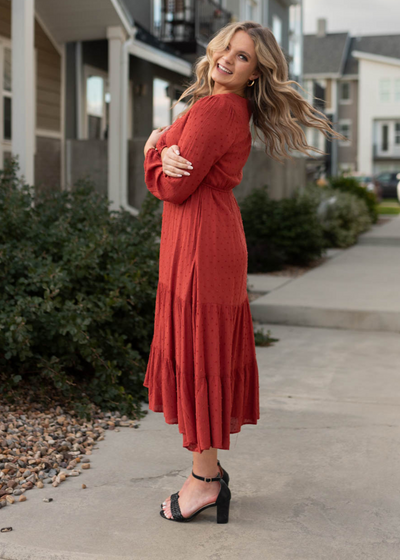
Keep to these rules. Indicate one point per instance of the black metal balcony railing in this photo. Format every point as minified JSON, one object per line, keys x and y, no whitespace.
{"x":185,"y":22}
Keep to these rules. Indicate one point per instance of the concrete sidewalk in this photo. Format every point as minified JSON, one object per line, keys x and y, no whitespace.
{"x":317,"y":479}
{"x":359,"y":288}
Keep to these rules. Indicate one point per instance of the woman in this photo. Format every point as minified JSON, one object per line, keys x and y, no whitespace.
{"x":202,"y":370}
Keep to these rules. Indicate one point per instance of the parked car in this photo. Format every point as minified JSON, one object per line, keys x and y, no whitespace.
{"x":387,"y":182}
{"x":398,"y":187}
{"x":367,"y":182}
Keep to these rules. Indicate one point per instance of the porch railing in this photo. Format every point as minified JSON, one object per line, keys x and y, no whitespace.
{"x":183,"y":23}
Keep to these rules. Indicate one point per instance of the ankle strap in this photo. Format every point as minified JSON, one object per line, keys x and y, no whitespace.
{"x":207,"y":479}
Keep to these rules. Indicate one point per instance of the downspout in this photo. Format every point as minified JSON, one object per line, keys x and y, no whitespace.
{"x":124,"y":144}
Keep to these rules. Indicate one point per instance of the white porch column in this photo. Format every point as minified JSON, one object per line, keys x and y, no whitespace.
{"x":22,"y":86}
{"x":116,"y":36}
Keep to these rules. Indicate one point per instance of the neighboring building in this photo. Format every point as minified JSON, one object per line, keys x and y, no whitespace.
{"x":358,"y":82}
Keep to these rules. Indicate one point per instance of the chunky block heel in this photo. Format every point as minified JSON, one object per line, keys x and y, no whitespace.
{"x":222,"y":503}
{"x":223,"y":513}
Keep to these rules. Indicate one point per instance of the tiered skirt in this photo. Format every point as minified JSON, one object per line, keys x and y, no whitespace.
{"x":202,"y":371}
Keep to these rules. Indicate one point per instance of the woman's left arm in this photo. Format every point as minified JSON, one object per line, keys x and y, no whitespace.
{"x":208,"y":134}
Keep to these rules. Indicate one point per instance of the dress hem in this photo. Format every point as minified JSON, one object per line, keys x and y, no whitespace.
{"x":193,"y":447}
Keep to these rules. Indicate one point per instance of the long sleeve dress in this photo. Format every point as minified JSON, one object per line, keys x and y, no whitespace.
{"x":202,"y":371}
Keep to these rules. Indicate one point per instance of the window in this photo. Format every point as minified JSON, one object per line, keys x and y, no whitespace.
{"x":161,"y":103}
{"x":315,"y":137}
{"x":156,"y":17}
{"x":345,"y":91}
{"x":6,"y":102}
{"x":97,"y":104}
{"x":345,"y":129}
{"x":277,"y":28}
{"x":251,"y":10}
{"x":7,"y":95}
{"x":181,"y":106}
{"x":397,"y":133}
{"x":385,"y":138}
{"x":384,"y":90}
{"x":397,"y":90}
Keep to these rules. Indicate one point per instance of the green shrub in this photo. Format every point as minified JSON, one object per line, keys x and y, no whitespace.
{"x":280,"y":232}
{"x":343,"y":216}
{"x":77,"y":293}
{"x":351,"y":186}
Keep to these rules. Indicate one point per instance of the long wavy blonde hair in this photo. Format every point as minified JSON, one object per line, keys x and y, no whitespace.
{"x":276,"y":106}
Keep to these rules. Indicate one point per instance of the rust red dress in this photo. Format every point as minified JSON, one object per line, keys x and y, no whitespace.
{"x":202,"y":371}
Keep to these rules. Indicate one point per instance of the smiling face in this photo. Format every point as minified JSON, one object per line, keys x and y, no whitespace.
{"x":239,"y":58}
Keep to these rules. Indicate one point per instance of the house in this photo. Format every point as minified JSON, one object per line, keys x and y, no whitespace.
{"x":356,"y":81}
{"x":85,"y":83}
{"x":70,"y":103}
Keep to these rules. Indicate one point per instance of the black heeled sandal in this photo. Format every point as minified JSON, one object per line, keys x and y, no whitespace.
{"x":225,"y":478}
{"x":222,"y":503}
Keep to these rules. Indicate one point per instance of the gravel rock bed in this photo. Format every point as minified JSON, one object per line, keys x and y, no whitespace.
{"x":40,"y":445}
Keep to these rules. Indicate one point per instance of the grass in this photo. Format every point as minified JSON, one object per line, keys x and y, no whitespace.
{"x":388,"y":210}
{"x":389,"y":206}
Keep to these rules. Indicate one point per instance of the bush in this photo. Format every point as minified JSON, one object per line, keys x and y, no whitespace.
{"x":350,"y":185}
{"x":280,"y":232}
{"x":77,"y":293}
{"x":343,"y":216}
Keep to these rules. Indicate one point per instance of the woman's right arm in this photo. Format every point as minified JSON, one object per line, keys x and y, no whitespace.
{"x":208,"y":134}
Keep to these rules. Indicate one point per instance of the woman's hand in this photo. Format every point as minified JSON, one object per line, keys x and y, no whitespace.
{"x":173,"y":163}
{"x":154,"y":137}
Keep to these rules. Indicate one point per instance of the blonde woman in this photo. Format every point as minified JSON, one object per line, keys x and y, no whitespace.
{"x":202,"y":371}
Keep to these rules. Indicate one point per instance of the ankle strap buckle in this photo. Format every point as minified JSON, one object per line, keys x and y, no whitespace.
{"x":207,"y":479}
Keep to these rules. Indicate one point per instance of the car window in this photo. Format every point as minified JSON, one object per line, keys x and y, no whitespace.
{"x":384,"y":177}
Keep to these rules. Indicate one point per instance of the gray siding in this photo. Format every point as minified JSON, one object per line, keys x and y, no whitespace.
{"x":348,"y":154}
{"x":88,"y":159}
{"x":47,"y":163}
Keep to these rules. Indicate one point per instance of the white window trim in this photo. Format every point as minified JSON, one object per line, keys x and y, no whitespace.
{"x":346,"y":143}
{"x":345,"y":101}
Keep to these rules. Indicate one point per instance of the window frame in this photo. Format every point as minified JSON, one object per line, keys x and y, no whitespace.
{"x":276,"y":18}
{"x":5,"y":143}
{"x":397,"y":133}
{"x":89,"y":70}
{"x":349,"y":123}
{"x":388,"y":90}
{"x":345,"y":100}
